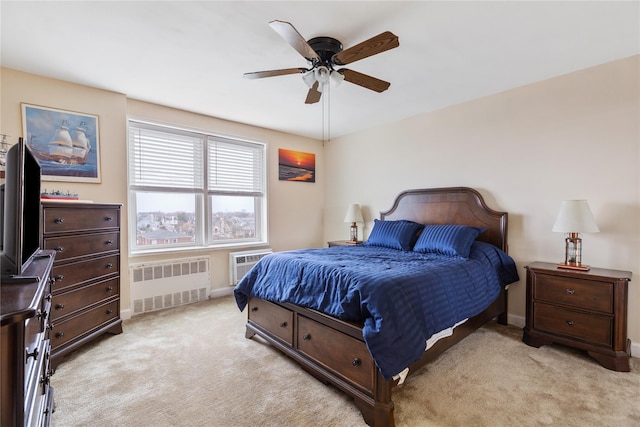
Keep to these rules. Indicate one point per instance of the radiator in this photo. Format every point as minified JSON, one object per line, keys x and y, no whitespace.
{"x":241,"y":262}
{"x":169,"y":283}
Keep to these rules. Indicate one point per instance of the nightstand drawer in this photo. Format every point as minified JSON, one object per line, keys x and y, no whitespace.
{"x":589,"y":295}
{"x":593,"y":328}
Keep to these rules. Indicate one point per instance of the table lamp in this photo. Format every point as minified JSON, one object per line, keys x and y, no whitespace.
{"x":354,"y":215}
{"x":574,"y":218}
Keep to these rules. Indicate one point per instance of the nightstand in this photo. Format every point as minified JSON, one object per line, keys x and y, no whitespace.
{"x":343,"y":243}
{"x":582,"y":309}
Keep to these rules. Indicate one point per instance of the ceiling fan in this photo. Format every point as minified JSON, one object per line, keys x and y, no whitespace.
{"x":324,"y":54}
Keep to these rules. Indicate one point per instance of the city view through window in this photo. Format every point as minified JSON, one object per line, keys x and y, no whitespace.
{"x":170,"y":219}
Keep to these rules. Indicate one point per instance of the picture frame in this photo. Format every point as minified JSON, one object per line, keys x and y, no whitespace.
{"x":296,"y":166}
{"x":66,"y":143}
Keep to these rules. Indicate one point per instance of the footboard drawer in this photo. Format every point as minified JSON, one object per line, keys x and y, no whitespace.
{"x":345,"y":355}
{"x":275,"y":319}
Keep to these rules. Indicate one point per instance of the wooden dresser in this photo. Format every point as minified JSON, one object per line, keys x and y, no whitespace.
{"x":581,"y":309}
{"x":27,"y":397}
{"x":86,"y":273}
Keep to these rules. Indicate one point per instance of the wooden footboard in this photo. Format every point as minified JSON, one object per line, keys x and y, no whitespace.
{"x":334,"y":351}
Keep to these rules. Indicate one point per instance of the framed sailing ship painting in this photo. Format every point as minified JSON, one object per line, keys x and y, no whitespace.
{"x":66,"y":143}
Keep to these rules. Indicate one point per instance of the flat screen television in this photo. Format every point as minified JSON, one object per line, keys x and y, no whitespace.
{"x":20,"y":210}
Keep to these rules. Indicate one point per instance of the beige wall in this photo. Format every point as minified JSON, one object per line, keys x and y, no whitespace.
{"x":525,"y":150}
{"x":295,"y":208}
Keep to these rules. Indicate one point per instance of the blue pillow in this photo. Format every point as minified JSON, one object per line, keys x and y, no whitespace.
{"x":394,"y":234}
{"x":452,"y":240}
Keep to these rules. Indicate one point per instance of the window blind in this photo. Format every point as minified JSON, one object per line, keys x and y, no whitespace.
{"x":160,"y":159}
{"x":235,"y":167}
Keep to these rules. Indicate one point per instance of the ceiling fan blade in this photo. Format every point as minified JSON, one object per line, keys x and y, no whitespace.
{"x":380,"y":43}
{"x":364,"y":80}
{"x":272,"y":73}
{"x":313,"y":95}
{"x":293,"y":37}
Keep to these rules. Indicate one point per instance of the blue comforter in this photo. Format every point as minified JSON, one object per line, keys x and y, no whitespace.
{"x":401,"y":297}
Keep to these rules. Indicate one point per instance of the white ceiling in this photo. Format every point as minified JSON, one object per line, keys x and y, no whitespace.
{"x":192,"y":55}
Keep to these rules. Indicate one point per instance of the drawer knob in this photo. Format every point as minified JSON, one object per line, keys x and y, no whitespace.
{"x":283,"y":324}
{"x":59,"y":334}
{"x":356,"y":362}
{"x":59,"y":277}
{"x":59,"y":220}
{"x":306,"y":337}
{"x":60,"y":249}
{"x":570,"y":322}
{"x":254,"y":309}
{"x":109,"y":288}
{"x":109,"y":242}
{"x":570,"y":291}
{"x":108,"y":218}
{"x":59,"y":306}
{"x":109,"y":311}
{"x":109,"y":265}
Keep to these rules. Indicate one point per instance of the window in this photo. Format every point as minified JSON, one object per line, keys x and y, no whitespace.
{"x":191,"y":189}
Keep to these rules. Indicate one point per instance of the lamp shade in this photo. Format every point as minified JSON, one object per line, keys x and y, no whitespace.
{"x":575,"y":217}
{"x":322,"y":74}
{"x":354,"y":214}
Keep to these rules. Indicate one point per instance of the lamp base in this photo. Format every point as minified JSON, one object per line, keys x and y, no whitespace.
{"x":580,"y":267}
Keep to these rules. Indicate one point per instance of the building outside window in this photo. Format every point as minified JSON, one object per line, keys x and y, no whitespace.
{"x":190,"y":189}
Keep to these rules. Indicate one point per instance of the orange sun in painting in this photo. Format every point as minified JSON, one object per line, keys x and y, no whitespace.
{"x":297,"y":158}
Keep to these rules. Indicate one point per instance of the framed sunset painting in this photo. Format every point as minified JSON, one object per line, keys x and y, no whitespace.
{"x":296,"y":166}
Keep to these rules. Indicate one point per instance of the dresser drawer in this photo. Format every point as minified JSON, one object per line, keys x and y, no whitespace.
{"x":593,"y":328}
{"x":82,"y":245}
{"x":589,"y":295}
{"x":77,"y":326}
{"x":77,"y":299}
{"x":346,"y":355}
{"x":82,"y":271}
{"x":74,"y":219}
{"x":275,"y":319}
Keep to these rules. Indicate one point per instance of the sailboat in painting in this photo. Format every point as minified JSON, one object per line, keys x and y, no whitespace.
{"x":65,"y":148}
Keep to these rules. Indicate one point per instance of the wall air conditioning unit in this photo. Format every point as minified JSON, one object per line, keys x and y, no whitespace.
{"x":241,"y":262}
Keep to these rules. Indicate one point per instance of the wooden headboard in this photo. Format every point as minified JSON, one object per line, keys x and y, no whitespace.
{"x":454,"y":205}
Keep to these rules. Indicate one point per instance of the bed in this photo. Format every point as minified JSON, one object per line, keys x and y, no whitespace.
{"x":368,"y":326}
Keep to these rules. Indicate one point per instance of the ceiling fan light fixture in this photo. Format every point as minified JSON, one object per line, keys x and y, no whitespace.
{"x":336,"y":77}
{"x":321,"y":74}
{"x":309,"y":78}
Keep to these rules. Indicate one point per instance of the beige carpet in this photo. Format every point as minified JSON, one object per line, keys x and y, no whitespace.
{"x":192,"y":366}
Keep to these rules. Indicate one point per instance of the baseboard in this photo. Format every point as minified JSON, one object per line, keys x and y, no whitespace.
{"x":516,"y":320}
{"x":221,"y":292}
{"x":635,"y":349}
